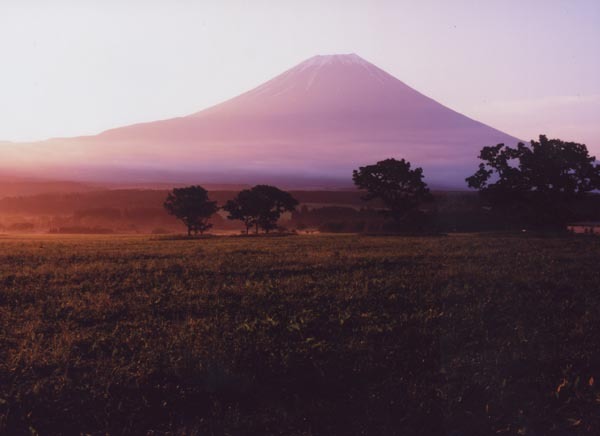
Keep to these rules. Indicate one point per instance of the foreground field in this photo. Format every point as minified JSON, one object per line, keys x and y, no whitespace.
{"x":461,"y":335}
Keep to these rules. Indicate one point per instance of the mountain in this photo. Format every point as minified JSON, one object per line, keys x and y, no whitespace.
{"x":311,"y":125}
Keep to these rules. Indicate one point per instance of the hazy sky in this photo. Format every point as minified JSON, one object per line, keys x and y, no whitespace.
{"x":74,"y":67}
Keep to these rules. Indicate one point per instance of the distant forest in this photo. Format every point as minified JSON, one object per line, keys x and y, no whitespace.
{"x":142,"y":211}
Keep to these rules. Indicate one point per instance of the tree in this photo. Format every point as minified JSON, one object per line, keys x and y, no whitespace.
{"x":400,"y":188}
{"x":243,"y":207}
{"x":272,"y":203}
{"x":260,"y":207}
{"x":192,"y":206}
{"x":538,"y":184}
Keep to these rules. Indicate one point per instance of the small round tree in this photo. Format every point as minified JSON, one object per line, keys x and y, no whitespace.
{"x":272,"y":203}
{"x":244,"y":207}
{"x":400,"y":188}
{"x":260,"y":207}
{"x":192,"y":206}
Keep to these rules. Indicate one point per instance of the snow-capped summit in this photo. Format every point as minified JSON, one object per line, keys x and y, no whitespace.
{"x":321,"y":60}
{"x":317,"y":120}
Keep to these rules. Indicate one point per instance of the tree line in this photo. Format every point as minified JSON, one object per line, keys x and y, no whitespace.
{"x":259,"y":207}
{"x":535,"y":185}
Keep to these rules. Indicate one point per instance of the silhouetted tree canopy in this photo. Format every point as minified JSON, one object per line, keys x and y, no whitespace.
{"x":393,"y":181}
{"x":192,"y":206}
{"x":244,"y":207}
{"x":538,"y":183}
{"x":260,"y":207}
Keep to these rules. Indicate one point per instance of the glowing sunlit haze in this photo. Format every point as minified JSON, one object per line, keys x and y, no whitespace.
{"x":73,"y":69}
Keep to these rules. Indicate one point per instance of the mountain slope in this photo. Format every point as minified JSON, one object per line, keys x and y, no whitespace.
{"x":315,"y":122}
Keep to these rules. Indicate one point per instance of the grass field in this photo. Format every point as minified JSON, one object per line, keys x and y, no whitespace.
{"x":311,"y":335}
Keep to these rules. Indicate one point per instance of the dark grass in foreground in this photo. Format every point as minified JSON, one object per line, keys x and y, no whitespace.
{"x":461,"y":335}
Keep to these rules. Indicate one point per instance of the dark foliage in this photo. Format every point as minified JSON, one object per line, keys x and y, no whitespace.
{"x":400,"y":188}
{"x":537,"y":185}
{"x":244,"y":207}
{"x":260,"y":207}
{"x":142,"y":211}
{"x":192,"y":206}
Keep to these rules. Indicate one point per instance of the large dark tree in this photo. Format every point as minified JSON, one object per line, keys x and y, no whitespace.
{"x":260,"y":207}
{"x":537,"y":184}
{"x":192,"y":206}
{"x":400,"y":188}
{"x":244,"y":207}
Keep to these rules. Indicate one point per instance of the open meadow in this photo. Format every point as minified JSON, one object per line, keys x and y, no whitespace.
{"x":306,"y":335}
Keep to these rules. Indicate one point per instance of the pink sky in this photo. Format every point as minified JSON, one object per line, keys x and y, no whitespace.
{"x":79,"y":67}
